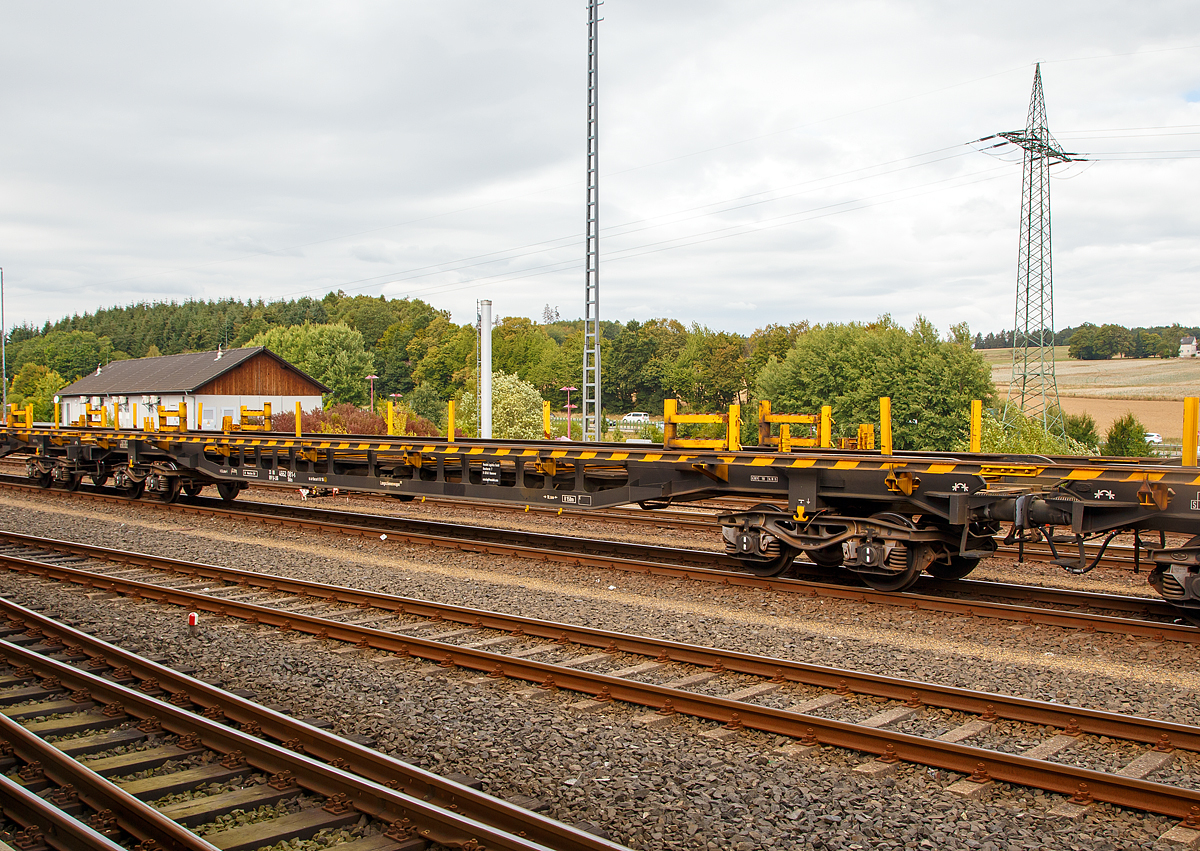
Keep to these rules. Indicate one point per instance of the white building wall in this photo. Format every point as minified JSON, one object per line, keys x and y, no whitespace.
{"x":204,"y":413}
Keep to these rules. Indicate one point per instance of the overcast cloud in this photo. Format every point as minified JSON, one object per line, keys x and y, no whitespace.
{"x":762,"y":162}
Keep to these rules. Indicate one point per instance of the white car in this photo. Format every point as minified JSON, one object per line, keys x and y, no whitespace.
{"x":1153,"y":437}
{"x":636,"y":417}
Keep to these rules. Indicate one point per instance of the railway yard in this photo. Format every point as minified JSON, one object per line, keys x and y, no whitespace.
{"x":484,"y":677}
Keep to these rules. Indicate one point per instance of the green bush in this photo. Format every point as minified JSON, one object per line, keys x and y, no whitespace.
{"x":1082,"y":427}
{"x":1024,"y":436}
{"x":516,"y":409}
{"x":1127,"y":437}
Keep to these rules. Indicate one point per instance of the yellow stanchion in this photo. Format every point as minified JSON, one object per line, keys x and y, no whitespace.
{"x":1191,"y":422}
{"x":885,"y":425}
{"x":976,"y":425}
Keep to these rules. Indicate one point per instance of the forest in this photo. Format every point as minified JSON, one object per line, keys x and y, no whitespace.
{"x":1102,"y":342}
{"x":422,"y":358}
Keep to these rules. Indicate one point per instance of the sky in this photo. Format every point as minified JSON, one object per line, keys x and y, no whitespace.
{"x":767,"y":162}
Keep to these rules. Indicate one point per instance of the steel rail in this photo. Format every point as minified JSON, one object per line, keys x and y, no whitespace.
{"x":890,"y":745}
{"x":369,"y":797}
{"x":136,"y":818}
{"x":583,"y":552}
{"x":380,"y":768}
{"x":49,"y":823}
{"x":1097,"y":722}
{"x":1154,"y":630}
{"x":1116,"y":555}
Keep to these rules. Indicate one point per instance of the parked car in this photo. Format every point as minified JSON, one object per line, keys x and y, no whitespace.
{"x":1153,"y":437}
{"x":636,"y":417}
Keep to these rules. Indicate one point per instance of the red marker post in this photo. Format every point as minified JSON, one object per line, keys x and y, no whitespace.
{"x":193,"y":624}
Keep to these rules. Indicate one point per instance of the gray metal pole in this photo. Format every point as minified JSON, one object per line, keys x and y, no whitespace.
{"x":485,"y":370}
{"x":3,"y":358}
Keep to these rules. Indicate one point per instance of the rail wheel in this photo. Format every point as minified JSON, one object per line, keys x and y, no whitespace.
{"x":777,"y":565}
{"x":134,"y":489}
{"x":99,"y":479}
{"x":44,"y":480}
{"x":918,"y":558}
{"x":174,"y":486}
{"x":956,"y":569}
{"x":193,"y":488}
{"x":773,"y":567}
{"x":228,"y":490}
{"x":74,"y":480}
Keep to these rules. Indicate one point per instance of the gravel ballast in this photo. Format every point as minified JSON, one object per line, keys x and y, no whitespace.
{"x":649,"y":788}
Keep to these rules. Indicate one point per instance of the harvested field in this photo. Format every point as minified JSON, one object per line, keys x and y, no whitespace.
{"x":1151,"y":388}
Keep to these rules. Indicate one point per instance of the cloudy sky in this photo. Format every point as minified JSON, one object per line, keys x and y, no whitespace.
{"x":761,"y":162}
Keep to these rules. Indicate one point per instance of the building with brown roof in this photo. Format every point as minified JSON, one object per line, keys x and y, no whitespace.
{"x":214,"y":385}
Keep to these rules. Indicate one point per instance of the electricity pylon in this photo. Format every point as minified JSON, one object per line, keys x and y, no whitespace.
{"x":1033,"y":390}
{"x":592,"y":417}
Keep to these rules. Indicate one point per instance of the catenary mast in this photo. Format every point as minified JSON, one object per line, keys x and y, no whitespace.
{"x":592,"y":417}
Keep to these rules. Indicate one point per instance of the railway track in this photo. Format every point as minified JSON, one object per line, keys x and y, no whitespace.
{"x":1091,"y":612}
{"x":701,"y":516}
{"x":133,"y":748}
{"x":732,"y":689}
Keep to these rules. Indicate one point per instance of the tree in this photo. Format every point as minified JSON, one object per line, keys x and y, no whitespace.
{"x":70,"y":353}
{"x":710,"y":372}
{"x":394,"y":363}
{"x":444,"y":354}
{"x":516,"y":409}
{"x":524,"y":349}
{"x":931,"y":381}
{"x":332,"y":354}
{"x":1127,"y":438}
{"x":638,"y":365}
{"x":36,"y":385}
{"x":1082,"y":428}
{"x":774,"y":340}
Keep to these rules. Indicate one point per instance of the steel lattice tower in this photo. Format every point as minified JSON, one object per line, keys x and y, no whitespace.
{"x":592,"y":416}
{"x":1033,"y":389}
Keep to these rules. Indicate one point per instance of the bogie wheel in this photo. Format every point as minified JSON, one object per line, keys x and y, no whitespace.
{"x":99,"y":479}
{"x":774,"y":567}
{"x":44,"y":480}
{"x":174,"y":486}
{"x":228,"y":490}
{"x":74,"y":480}
{"x":134,"y":490}
{"x":193,"y":488}
{"x":958,"y":567}
{"x":781,"y":562}
{"x":919,"y":558}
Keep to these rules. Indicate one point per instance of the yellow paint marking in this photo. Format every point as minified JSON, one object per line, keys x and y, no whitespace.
{"x":803,"y":462}
{"x":364,"y":446}
{"x":651,"y":457}
{"x":762,"y":462}
{"x":942,"y":468}
{"x":559,"y":453}
{"x":620,"y":456}
{"x":1077,"y":475}
{"x":585,"y":455}
{"x":528,"y":452}
{"x":503,"y":451}
{"x":1137,"y":477}
{"x":845,"y":465}
{"x":476,"y":450}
